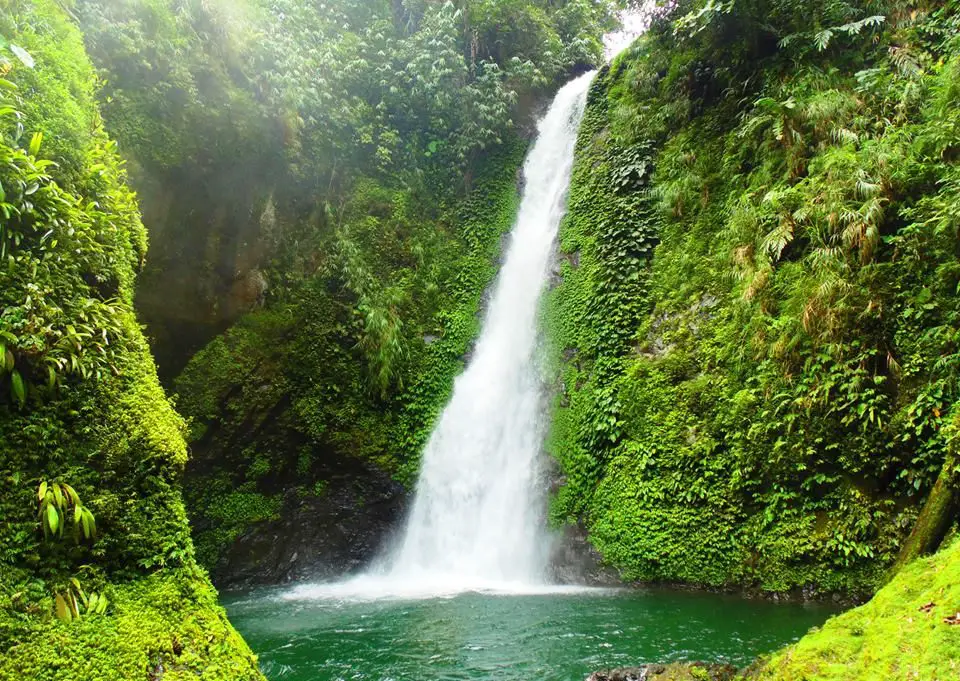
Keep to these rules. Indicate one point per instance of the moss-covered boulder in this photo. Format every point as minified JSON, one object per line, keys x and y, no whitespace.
{"x":910,"y":630}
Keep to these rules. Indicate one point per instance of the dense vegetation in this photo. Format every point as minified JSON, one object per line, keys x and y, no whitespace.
{"x":250,"y":123}
{"x":97,"y":569}
{"x":281,"y":399}
{"x":352,"y":194}
{"x":757,"y":325}
{"x":341,"y":173}
{"x":755,"y":330}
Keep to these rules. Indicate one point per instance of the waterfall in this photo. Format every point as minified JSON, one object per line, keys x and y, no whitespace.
{"x":477,"y":514}
{"x":477,"y":521}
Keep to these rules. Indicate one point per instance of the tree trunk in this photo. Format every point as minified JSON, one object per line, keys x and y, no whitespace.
{"x":935,"y":517}
{"x":469,"y":41}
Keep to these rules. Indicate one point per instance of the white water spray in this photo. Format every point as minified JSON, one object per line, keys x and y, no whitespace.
{"x":477,"y":519}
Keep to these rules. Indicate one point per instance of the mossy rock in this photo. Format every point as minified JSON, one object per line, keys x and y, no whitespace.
{"x":681,"y":671}
{"x":80,"y":402}
{"x":746,"y":396}
{"x":909,"y":630}
{"x":165,"y":626}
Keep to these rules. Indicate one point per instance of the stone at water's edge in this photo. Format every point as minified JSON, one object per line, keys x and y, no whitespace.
{"x":696,"y":671}
{"x":318,"y":538}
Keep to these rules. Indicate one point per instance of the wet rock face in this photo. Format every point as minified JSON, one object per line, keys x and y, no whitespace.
{"x":575,"y":561}
{"x":696,"y":671}
{"x":208,"y":237}
{"x":317,"y":538}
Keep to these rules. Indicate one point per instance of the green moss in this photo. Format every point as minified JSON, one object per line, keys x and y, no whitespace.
{"x":902,"y":633}
{"x":753,"y":332}
{"x":166,"y":625}
{"x":80,"y":402}
{"x":228,"y":514}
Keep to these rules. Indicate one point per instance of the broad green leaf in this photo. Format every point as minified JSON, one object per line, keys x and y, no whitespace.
{"x":89,"y":524}
{"x":63,"y":611}
{"x":42,"y":492}
{"x":17,"y":388}
{"x":74,"y":606}
{"x":78,"y":589}
{"x":35,"y":143}
{"x":58,"y":495}
{"x":74,"y":497}
{"x":53,"y":519}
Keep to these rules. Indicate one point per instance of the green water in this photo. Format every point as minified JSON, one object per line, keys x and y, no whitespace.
{"x":473,"y":636}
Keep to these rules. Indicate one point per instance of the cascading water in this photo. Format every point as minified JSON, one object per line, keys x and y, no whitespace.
{"x":477,"y":518}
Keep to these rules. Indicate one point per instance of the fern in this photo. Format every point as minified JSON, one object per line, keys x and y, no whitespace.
{"x":777,"y":240}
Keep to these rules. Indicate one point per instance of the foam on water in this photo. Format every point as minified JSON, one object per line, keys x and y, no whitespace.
{"x":387,"y":588}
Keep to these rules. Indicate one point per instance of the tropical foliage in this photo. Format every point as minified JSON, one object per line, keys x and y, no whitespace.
{"x":770,"y":398}
{"x":252,"y":123}
{"x":354,"y":164}
{"x":298,"y":387}
{"x":90,"y":449}
{"x":362,"y":184}
{"x":755,"y":328}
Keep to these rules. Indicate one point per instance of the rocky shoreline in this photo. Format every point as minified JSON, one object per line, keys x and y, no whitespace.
{"x":695,"y":671}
